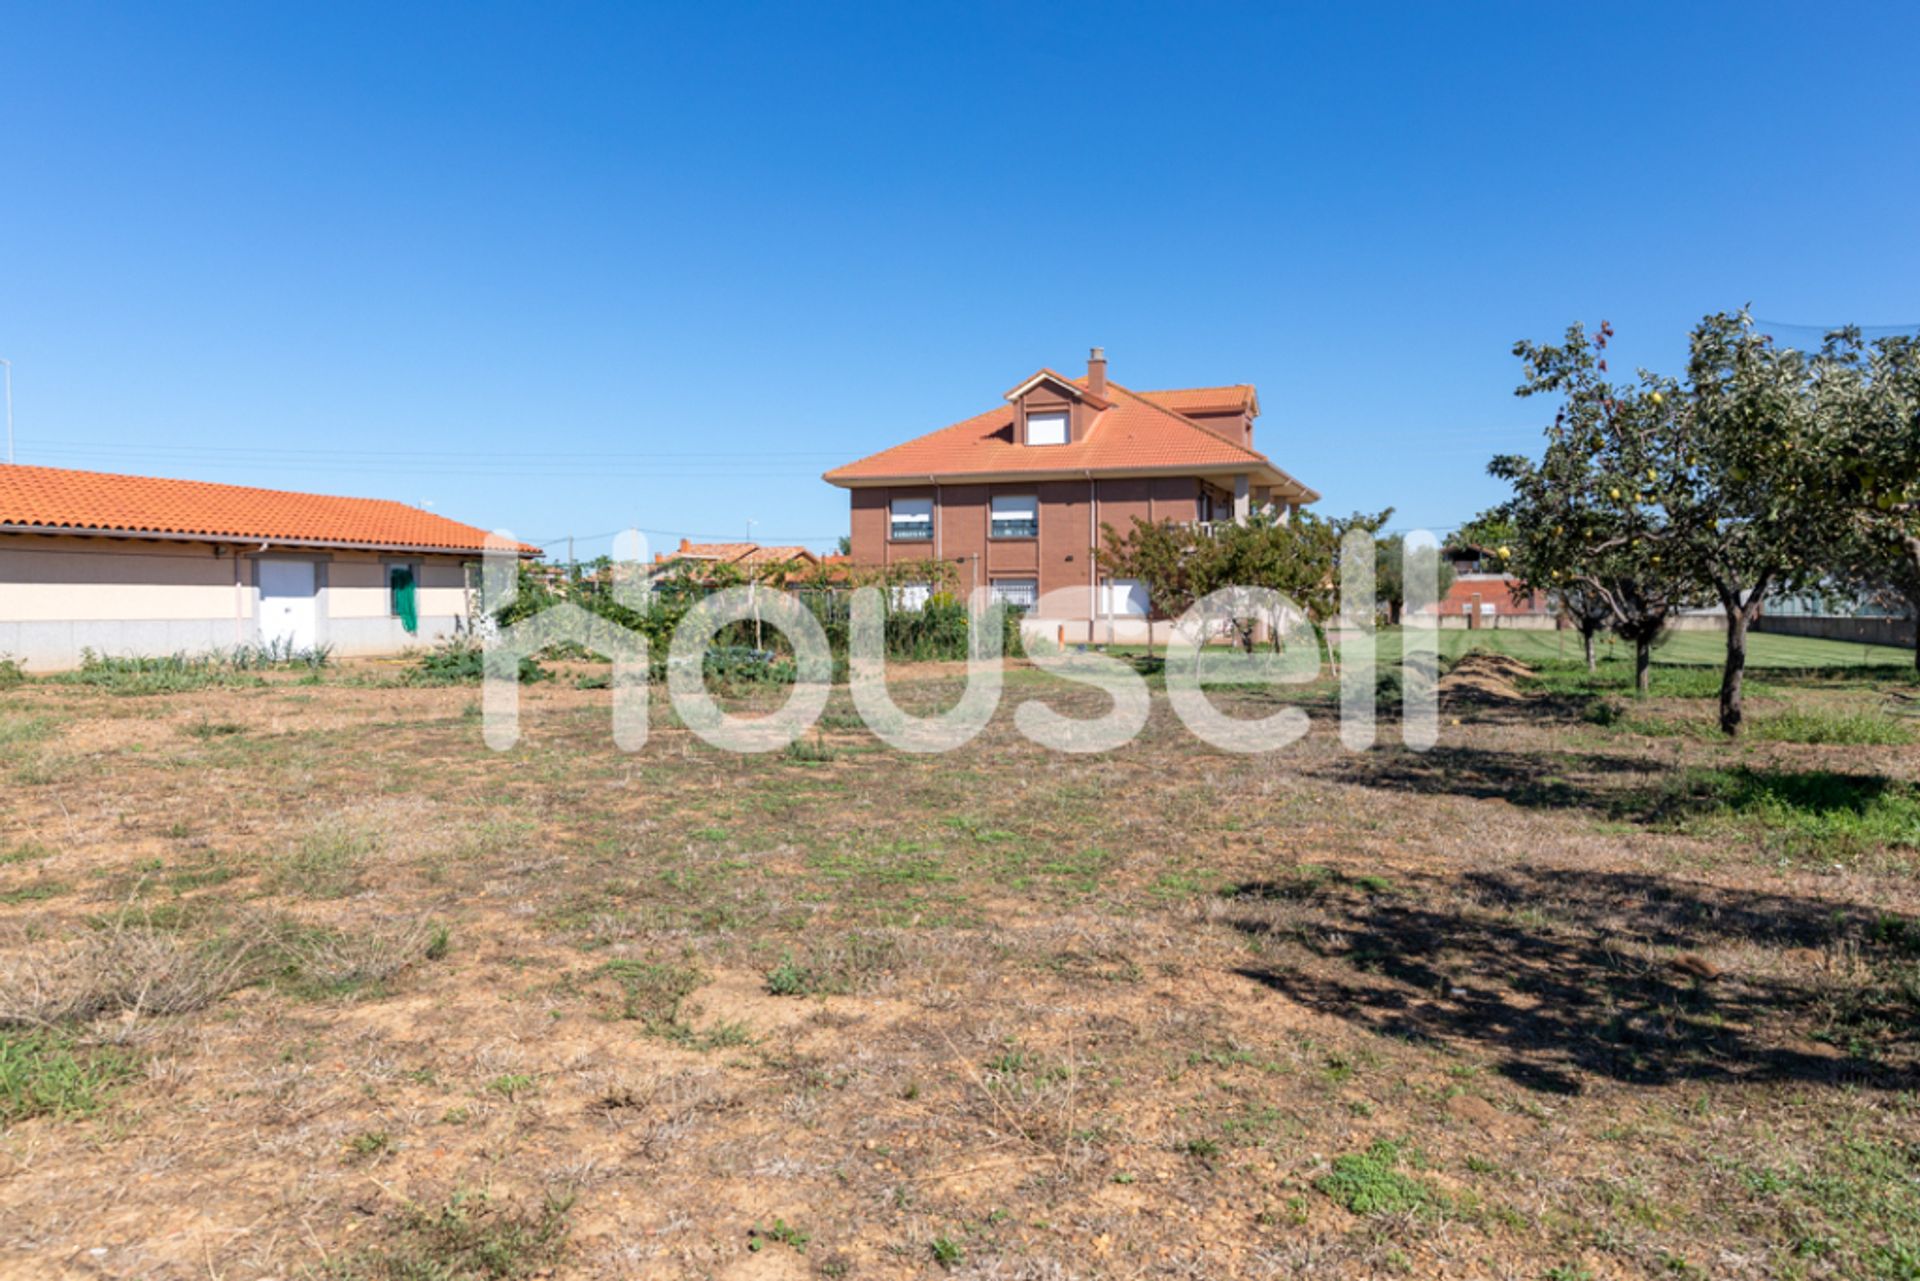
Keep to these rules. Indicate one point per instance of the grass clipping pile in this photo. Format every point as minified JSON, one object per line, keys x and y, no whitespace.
{"x":1480,"y":677}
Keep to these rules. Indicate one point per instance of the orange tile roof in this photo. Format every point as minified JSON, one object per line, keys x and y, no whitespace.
{"x":737,"y":553}
{"x":1203,"y":400}
{"x":1134,"y":435}
{"x":56,"y":498}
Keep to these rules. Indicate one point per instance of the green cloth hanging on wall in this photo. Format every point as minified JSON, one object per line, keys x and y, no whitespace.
{"x":400,"y":580}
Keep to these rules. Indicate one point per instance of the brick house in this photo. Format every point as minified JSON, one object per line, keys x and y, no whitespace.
{"x":1015,"y":498}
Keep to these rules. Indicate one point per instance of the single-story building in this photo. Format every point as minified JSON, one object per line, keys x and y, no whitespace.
{"x":136,"y":565}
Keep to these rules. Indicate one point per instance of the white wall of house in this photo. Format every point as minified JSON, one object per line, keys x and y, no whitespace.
{"x":61,"y":595}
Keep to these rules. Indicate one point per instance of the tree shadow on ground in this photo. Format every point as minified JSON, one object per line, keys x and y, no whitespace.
{"x":1536,"y":780}
{"x":1547,"y":969}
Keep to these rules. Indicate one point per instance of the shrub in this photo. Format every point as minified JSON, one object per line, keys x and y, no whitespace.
{"x":125,"y":967}
{"x":462,"y":661}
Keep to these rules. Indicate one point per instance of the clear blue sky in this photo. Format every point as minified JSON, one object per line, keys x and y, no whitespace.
{"x":564,"y":268}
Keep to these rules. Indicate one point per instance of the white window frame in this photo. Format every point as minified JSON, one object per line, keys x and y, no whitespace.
{"x":1062,"y":418}
{"x":1123,"y":598}
{"x":1022,"y":508}
{"x":912,"y":515}
{"x":1022,"y":593}
{"x":911,"y":597}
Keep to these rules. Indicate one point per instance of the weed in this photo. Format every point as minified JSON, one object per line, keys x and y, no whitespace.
{"x":780,"y":1233}
{"x":205,"y":729}
{"x":947,"y":1253}
{"x":324,"y":863}
{"x":511,"y":1085}
{"x":1370,"y":1182}
{"x":652,"y":992}
{"x":470,"y":1238}
{"x":49,"y":1073}
{"x":810,"y":751}
{"x":29,"y":852}
{"x":369,"y":1144}
{"x":1849,"y":728}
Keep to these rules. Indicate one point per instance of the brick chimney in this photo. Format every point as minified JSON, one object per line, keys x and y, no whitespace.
{"x":1097,"y":371}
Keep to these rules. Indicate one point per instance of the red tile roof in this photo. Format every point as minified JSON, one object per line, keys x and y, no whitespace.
{"x":737,"y":553}
{"x":1204,"y":400}
{"x":55,"y":498}
{"x":1134,"y":434}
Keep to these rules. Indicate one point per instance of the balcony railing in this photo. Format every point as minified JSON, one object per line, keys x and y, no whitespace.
{"x":1015,"y":529}
{"x":915,"y":533}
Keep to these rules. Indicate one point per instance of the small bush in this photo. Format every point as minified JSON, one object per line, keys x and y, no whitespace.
{"x":463,"y":661}
{"x":652,"y":992}
{"x":1604,"y":711}
{"x":318,"y":964}
{"x":11,"y":673}
{"x":1370,"y":1182}
{"x":123,"y":968}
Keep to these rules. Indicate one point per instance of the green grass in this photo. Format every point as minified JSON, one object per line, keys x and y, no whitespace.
{"x":1765,"y":650}
{"x":1852,"y":728}
{"x":1816,"y":812}
{"x":44,"y":1073}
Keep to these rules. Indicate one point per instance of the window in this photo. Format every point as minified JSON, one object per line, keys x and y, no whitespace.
{"x":912,"y":520}
{"x":1016,"y":517}
{"x":1017,"y":592}
{"x":1046,"y":429}
{"x":403,"y":578}
{"x":912,"y":596}
{"x":1123,"y":598}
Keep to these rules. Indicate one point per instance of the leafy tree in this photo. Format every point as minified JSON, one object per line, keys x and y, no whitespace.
{"x":1182,"y":564}
{"x":1390,"y":579}
{"x":1871,"y":394}
{"x":1586,"y":523}
{"x":1748,"y":451}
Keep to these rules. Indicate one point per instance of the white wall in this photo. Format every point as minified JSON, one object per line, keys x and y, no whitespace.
{"x":60,"y":595}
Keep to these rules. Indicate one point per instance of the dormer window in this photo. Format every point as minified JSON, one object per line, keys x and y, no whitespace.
{"x":1047,"y":429}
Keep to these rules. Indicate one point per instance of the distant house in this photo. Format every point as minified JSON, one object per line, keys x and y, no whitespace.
{"x":140,"y":565}
{"x":741,"y":556}
{"x":1015,"y":497}
{"x":1485,"y":595}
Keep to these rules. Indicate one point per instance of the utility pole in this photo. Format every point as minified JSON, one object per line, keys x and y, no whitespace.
{"x":9,"y":366}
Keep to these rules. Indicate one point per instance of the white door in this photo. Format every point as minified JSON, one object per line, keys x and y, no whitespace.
{"x":288,"y":606}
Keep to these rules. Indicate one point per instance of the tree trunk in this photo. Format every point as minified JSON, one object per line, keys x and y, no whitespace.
{"x":1732,"y":711}
{"x":1913,"y":602}
{"x":1643,"y":664}
{"x":1586,"y":639}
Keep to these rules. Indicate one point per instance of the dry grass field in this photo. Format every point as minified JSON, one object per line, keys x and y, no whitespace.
{"x":298,"y":979}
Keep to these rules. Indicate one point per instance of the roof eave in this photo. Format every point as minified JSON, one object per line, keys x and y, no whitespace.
{"x":1250,"y":467}
{"x":524,"y":550}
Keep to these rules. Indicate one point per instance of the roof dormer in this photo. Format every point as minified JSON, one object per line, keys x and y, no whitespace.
{"x":1052,"y":409}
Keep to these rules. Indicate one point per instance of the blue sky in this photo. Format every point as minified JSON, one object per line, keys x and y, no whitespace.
{"x":564,"y":269}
